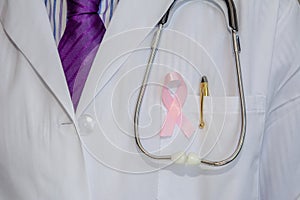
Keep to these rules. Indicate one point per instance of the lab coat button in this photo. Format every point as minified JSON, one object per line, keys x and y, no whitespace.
{"x":86,"y":124}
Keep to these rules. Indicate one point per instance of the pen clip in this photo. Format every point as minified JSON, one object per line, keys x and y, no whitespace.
{"x":203,"y":92}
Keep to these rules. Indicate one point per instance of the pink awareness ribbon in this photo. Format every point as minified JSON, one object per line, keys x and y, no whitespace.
{"x":173,"y":102}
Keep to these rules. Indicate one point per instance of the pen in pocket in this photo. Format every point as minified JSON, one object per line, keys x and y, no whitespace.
{"x":203,"y":92}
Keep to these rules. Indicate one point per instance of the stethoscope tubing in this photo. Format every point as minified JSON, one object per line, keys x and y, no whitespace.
{"x":236,"y":47}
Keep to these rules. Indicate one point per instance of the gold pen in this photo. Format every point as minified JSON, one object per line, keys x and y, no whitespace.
{"x":203,"y":92}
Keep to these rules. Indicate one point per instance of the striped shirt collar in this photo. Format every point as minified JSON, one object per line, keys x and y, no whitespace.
{"x":57,"y":12}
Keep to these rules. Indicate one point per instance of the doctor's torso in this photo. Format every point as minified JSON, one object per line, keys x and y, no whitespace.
{"x":48,"y":151}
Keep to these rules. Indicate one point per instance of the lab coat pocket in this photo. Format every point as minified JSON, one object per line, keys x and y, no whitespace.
{"x":215,"y":142}
{"x":222,"y":131}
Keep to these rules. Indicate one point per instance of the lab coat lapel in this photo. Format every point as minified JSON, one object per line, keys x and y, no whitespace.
{"x":27,"y":24}
{"x":131,"y":22}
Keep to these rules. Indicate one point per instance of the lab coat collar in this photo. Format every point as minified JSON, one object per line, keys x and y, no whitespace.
{"x":132,"y":21}
{"x":28,"y":26}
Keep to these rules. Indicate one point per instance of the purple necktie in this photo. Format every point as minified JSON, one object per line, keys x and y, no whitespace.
{"x":79,"y":43}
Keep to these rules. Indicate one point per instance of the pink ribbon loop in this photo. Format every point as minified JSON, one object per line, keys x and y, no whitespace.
{"x":173,"y":102}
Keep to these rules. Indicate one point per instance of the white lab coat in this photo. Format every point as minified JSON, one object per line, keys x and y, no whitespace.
{"x":48,"y":151}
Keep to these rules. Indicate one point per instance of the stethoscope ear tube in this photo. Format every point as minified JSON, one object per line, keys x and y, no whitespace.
{"x":165,"y":17}
{"x":232,"y":16}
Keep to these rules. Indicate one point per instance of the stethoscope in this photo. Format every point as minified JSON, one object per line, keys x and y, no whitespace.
{"x":193,"y":158}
